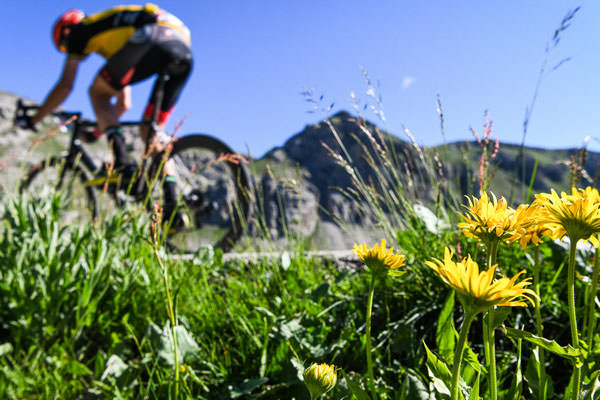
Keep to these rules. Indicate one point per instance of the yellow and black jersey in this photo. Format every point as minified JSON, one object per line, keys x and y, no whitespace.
{"x":107,"y":31}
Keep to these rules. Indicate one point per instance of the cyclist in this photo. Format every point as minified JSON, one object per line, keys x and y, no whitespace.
{"x":137,"y":42}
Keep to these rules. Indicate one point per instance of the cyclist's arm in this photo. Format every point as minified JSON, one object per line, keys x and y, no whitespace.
{"x":61,"y":90}
{"x":124,"y":100}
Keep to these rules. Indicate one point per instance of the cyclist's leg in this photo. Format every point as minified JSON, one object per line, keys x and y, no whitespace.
{"x":113,"y":81}
{"x":169,"y":50}
{"x":172,"y":50}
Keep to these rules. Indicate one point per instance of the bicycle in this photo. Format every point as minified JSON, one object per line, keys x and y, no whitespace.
{"x":213,"y":182}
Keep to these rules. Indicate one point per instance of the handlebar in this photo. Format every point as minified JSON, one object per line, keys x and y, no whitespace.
{"x":24,"y":110}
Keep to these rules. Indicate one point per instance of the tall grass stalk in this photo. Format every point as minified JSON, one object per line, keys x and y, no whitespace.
{"x":401,"y":173}
{"x":564,"y":24}
{"x":388,"y":196}
{"x":538,"y":324}
{"x":156,"y":220}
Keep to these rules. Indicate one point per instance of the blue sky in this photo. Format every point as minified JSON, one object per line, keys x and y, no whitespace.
{"x":253,"y":59}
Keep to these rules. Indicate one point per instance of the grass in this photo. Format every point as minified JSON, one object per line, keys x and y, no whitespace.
{"x":83,"y":315}
{"x":73,"y":298}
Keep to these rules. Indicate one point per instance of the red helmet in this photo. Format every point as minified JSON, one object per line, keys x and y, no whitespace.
{"x":60,"y":31}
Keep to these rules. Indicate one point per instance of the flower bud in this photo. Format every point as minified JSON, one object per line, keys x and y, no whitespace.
{"x":319,"y":379}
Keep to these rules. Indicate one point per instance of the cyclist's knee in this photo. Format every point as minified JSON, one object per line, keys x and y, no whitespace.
{"x":100,"y":89}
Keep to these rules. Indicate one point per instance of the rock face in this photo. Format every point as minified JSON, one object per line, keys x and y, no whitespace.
{"x":15,"y":144}
{"x":315,"y":203}
{"x":290,"y":207}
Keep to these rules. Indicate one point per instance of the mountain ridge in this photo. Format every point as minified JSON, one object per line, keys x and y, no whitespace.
{"x":304,"y":184}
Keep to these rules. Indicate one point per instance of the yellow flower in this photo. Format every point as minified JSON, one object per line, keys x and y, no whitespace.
{"x":488,"y":219}
{"x":380,"y":259}
{"x":576,"y":215}
{"x":319,"y":379}
{"x":478,"y":291}
{"x":532,"y":228}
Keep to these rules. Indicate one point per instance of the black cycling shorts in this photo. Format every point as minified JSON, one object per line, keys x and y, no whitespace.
{"x":151,"y":50}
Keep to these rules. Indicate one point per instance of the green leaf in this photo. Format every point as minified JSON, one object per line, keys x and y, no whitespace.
{"x":439,"y":373}
{"x":115,"y":367}
{"x":396,"y":273}
{"x":413,"y":388}
{"x":291,"y":328}
{"x":591,"y":390}
{"x":99,"y":363}
{"x":246,"y":387}
{"x":532,"y":375}
{"x":516,"y":387}
{"x":78,"y":369}
{"x":5,"y":348}
{"x":162,"y":342}
{"x":474,"y":395}
{"x":445,"y":336}
{"x":299,"y":367}
{"x":355,"y":388}
{"x":470,"y":357}
{"x":440,"y":386}
{"x":568,"y":352}
{"x":500,"y":315}
{"x":569,"y":388}
{"x":438,"y":366}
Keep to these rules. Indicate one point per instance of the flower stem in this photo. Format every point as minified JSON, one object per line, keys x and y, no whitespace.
{"x":572,"y":316}
{"x":592,"y":303}
{"x":538,"y":324}
{"x":458,"y":353}
{"x":492,"y":250}
{"x":492,"y":352}
{"x":368,"y":337}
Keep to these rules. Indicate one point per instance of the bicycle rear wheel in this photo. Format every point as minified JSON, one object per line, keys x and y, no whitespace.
{"x":63,"y":177}
{"x":213,"y":187}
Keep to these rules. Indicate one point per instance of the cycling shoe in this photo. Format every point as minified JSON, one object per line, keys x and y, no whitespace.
{"x":116,"y":178}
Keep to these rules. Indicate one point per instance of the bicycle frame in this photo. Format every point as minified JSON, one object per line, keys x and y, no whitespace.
{"x":76,"y":152}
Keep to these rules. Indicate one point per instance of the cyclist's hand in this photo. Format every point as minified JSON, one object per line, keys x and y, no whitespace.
{"x":26,"y":123}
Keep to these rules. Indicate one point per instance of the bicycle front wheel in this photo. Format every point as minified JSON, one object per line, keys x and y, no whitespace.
{"x":213,"y":187}
{"x":63,"y":178}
